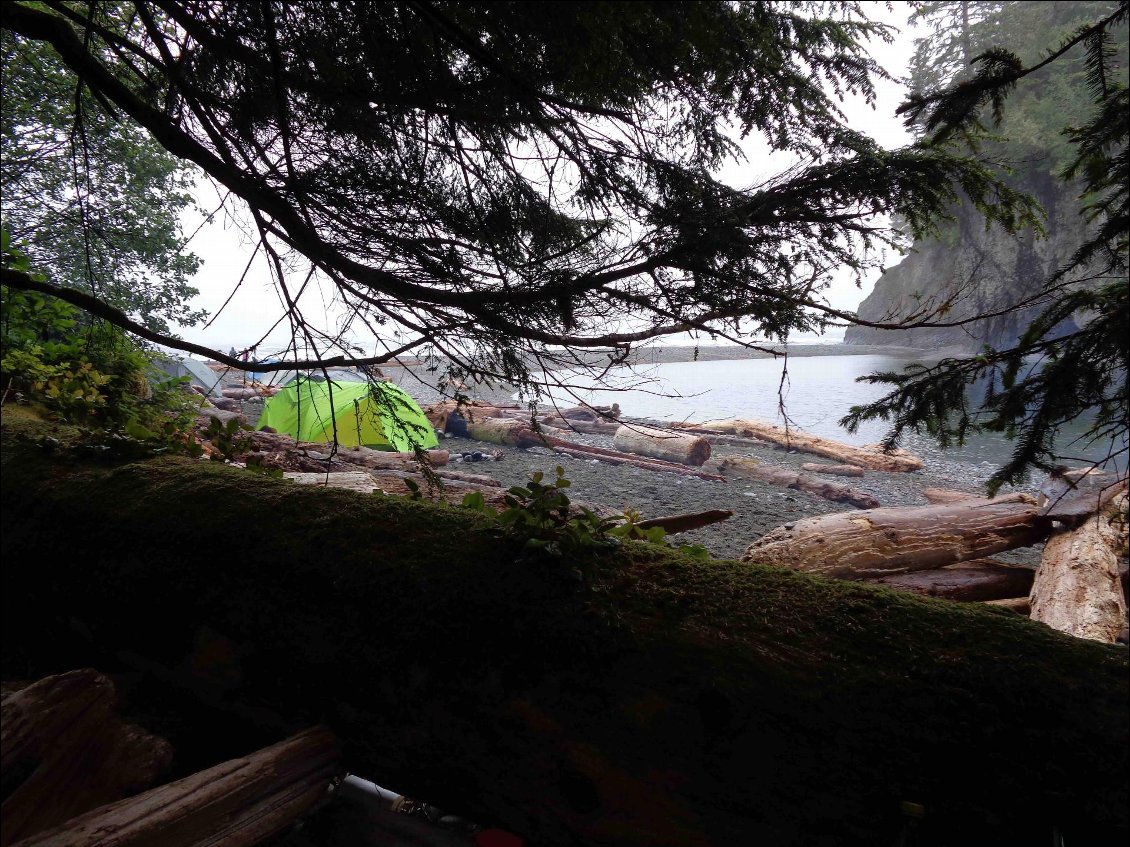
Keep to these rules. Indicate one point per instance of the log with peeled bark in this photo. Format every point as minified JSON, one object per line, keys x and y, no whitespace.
{"x":1078,"y":590}
{"x":835,"y":470}
{"x":795,"y":439}
{"x":746,"y":468}
{"x":240,"y":803}
{"x":631,"y":696}
{"x":981,"y":579}
{"x":853,"y":545}
{"x":662,"y":444}
{"x":65,"y":750}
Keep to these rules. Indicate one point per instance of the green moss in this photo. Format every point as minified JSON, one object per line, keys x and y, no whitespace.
{"x":806,"y":706}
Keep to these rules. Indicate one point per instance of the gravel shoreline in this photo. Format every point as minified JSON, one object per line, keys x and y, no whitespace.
{"x":758,"y":507}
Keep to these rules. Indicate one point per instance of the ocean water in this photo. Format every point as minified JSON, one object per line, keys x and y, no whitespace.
{"x":814,"y":392}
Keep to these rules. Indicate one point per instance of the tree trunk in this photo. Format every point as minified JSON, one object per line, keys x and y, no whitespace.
{"x":1078,"y":590}
{"x":836,"y":470}
{"x":752,"y":469}
{"x":662,"y":444}
{"x":621,"y":697}
{"x":238,"y":804}
{"x":64,"y":750}
{"x":969,"y":581}
{"x":795,"y":439}
{"x":853,"y":545}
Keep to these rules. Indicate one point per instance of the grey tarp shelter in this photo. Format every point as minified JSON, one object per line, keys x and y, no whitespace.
{"x":197,"y":372}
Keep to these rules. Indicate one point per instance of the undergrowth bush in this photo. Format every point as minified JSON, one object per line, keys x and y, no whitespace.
{"x":87,"y":373}
{"x":541,"y":516}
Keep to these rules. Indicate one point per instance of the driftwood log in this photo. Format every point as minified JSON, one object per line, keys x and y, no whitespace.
{"x":745,"y":468}
{"x":795,"y":439}
{"x":653,"y":699}
{"x":65,"y":750}
{"x":673,"y":524}
{"x":1078,"y":590}
{"x":662,"y":444}
{"x":1019,"y":605}
{"x":597,"y":427}
{"x":939,"y":496}
{"x":239,"y":803}
{"x":517,"y":433}
{"x":982,"y":579}
{"x":853,"y":545}
{"x":366,"y":456}
{"x":835,"y":470}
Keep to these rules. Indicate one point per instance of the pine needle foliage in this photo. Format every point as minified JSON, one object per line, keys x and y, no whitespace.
{"x":1048,"y":378}
{"x":510,"y":185}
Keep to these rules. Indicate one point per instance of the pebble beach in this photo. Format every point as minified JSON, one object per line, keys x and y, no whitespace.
{"x":758,"y":507}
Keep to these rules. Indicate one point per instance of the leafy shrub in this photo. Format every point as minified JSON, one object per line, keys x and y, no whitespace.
{"x":87,"y":373}
{"x":541,"y":516}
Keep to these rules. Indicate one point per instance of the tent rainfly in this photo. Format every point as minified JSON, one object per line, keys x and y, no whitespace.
{"x":378,"y":415}
{"x":198,"y":373}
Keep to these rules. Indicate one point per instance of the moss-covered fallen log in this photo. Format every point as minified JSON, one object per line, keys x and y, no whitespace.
{"x":637,"y":698}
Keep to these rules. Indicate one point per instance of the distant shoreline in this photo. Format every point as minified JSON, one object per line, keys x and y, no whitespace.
{"x":714,"y":353}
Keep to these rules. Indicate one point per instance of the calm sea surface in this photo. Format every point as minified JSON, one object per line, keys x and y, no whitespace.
{"x":817,"y":391}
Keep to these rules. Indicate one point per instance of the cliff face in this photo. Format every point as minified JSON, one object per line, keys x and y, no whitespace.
{"x":970,"y":271}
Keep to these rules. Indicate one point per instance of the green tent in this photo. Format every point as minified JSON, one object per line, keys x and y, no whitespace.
{"x":384,"y":418}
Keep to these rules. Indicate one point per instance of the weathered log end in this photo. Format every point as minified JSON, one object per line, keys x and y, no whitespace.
{"x":1078,"y":589}
{"x":239,"y":803}
{"x":65,"y":750}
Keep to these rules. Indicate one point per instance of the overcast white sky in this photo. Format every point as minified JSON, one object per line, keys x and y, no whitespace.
{"x":256,"y":305}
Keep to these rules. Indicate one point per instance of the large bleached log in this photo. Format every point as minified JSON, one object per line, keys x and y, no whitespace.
{"x":239,"y":803}
{"x":662,"y":444}
{"x":642,"y":698}
{"x":852,"y":545}
{"x":795,"y":439}
{"x":513,"y":432}
{"x":752,"y":469}
{"x":1077,"y":588}
{"x":969,"y":581}
{"x":65,"y":750}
